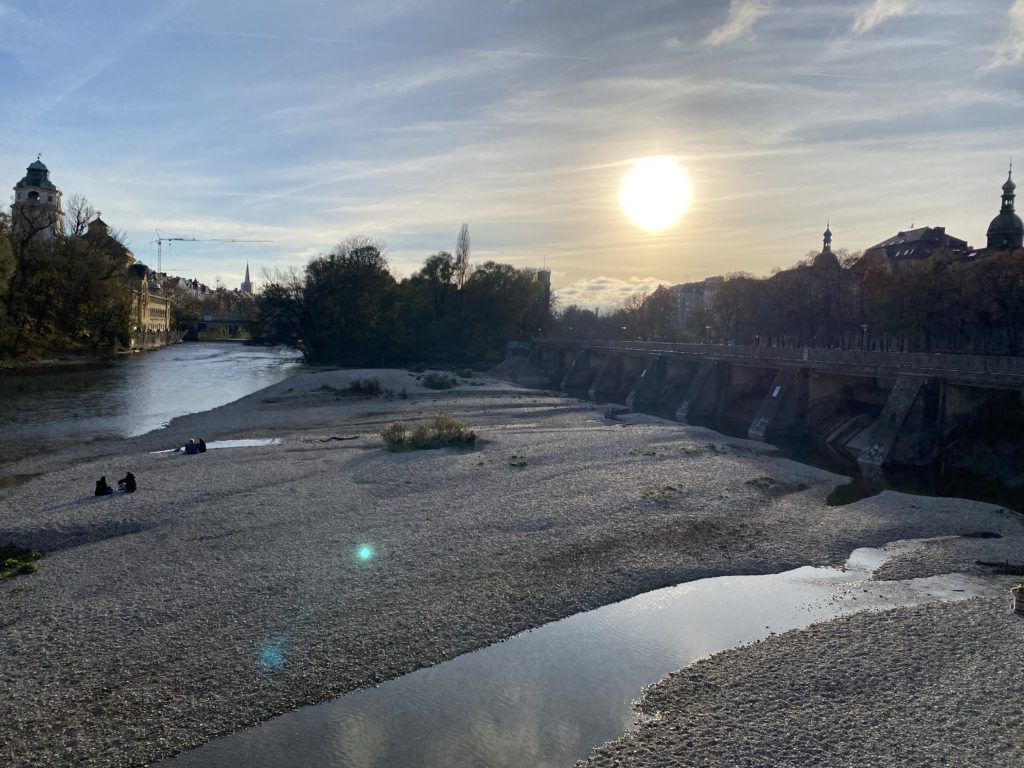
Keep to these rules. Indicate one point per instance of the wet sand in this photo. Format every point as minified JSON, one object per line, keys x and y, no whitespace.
{"x":141,"y":634}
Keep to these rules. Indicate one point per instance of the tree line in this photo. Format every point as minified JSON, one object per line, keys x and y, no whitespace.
{"x":945,"y":303}
{"x":347,"y":308}
{"x":61,"y":293}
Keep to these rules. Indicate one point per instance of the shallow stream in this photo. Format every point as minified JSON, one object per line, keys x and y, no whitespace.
{"x":548,"y":696}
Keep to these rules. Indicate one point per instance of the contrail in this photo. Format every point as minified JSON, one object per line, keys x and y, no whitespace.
{"x":381,"y":44}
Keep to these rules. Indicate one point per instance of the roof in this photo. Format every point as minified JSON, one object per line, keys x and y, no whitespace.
{"x":98,"y":235}
{"x":37,"y":175}
{"x":919,"y":243}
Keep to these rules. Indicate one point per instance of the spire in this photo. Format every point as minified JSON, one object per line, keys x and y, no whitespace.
{"x":1009,"y":190}
{"x":246,"y":286}
{"x":827,"y":235}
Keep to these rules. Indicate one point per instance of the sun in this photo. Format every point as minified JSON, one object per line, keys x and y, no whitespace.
{"x":655,"y":193}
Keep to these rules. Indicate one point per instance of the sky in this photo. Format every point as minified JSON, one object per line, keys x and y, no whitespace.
{"x":309,"y":121}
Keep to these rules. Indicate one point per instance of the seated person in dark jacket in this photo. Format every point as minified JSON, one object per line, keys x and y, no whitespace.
{"x":127,"y":483}
{"x":102,"y":489}
{"x":191,"y":448}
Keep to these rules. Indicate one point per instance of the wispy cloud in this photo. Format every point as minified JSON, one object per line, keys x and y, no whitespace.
{"x":743,"y":14}
{"x":1010,"y":51}
{"x":879,"y":11}
{"x":344,"y":41}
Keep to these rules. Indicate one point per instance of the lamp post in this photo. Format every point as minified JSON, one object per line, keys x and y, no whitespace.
{"x":864,"y":336}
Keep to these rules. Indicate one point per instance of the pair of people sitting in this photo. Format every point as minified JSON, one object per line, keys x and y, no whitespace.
{"x":126,"y":484}
{"x":192,"y":447}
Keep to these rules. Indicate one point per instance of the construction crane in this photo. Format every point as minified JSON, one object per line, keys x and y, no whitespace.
{"x":161,"y":240}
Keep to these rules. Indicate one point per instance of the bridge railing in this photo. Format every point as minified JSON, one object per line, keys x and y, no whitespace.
{"x":811,"y":356}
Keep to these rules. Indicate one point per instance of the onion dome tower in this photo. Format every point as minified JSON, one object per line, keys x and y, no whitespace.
{"x":1006,"y":232}
{"x":826,"y":259}
{"x":36,"y":209}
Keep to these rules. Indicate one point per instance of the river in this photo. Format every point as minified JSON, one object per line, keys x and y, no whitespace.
{"x":46,"y":407}
{"x":547,"y":697}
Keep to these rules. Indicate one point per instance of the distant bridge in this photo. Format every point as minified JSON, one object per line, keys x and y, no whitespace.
{"x":234,"y":322}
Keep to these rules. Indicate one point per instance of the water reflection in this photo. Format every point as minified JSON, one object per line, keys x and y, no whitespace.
{"x":546,"y":698}
{"x":132,"y":395}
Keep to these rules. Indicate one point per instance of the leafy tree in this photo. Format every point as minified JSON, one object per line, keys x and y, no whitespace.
{"x":659,"y":316}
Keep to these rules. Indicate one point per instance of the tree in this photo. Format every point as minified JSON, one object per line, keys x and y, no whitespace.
{"x":501,"y":303}
{"x":77,"y":215}
{"x":660,"y":313}
{"x":349,"y":295}
{"x":282,"y":316}
{"x":462,"y":250}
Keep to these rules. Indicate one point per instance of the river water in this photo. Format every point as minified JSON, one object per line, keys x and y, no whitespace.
{"x":545,"y":698}
{"x":43,"y":408}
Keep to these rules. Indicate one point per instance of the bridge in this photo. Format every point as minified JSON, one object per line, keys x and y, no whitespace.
{"x":883,"y":409}
{"x":233,"y":323}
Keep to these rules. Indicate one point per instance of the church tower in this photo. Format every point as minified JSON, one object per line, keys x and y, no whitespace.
{"x":1006,"y":232}
{"x":247,"y":283}
{"x":36,"y":209}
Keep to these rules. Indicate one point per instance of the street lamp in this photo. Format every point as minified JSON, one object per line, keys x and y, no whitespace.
{"x":864,"y":336}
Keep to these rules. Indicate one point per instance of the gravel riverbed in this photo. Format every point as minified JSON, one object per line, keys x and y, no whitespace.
{"x":141,"y":634}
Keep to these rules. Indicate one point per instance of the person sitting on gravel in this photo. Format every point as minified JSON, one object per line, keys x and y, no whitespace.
{"x":191,"y":448}
{"x":202,"y":445}
{"x":102,"y":489}
{"x":127,"y":483}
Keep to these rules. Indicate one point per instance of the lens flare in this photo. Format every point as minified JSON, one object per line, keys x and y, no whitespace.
{"x":271,"y":656}
{"x":365,"y":552}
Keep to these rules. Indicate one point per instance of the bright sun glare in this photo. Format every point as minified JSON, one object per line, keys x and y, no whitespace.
{"x":655,"y":193}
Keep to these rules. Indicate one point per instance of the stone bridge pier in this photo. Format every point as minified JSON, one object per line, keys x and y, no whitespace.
{"x":879,"y":409}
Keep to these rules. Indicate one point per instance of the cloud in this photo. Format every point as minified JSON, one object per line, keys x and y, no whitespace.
{"x":742,"y":16}
{"x":879,"y":11}
{"x":1010,"y":51}
{"x":605,"y":292}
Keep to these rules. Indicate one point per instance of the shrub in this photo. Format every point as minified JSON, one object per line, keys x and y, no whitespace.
{"x":441,"y":432}
{"x":17,"y":560}
{"x":659,"y":493}
{"x":434,"y":380}
{"x":466,"y":373}
{"x":396,"y":436}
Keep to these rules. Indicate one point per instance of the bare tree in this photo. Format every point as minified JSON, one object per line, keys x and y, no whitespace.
{"x":77,"y":215}
{"x":462,"y":249}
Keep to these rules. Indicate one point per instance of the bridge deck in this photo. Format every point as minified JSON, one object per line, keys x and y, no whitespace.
{"x":976,"y":370}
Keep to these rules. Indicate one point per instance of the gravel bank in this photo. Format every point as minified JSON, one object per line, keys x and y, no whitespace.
{"x":141,"y":634}
{"x":926,"y":686}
